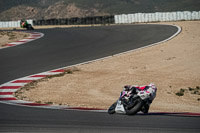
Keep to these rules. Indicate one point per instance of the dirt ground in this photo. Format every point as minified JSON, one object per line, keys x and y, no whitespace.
{"x":11,"y":36}
{"x":172,"y":65}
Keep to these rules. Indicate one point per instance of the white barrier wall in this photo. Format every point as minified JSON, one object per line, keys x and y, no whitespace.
{"x":157,"y":17}
{"x":10,"y":24}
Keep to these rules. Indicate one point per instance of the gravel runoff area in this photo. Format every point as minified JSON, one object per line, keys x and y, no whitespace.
{"x":11,"y":36}
{"x":172,"y":65}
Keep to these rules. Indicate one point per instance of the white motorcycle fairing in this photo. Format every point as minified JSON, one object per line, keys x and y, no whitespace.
{"x":120,"y":108}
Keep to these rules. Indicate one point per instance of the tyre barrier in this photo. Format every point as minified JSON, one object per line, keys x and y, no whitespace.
{"x":77,"y":21}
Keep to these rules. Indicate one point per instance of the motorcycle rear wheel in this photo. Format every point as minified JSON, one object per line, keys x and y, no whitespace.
{"x":29,"y":27}
{"x":140,"y":103}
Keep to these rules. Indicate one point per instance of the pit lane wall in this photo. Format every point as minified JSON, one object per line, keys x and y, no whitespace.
{"x":113,"y":19}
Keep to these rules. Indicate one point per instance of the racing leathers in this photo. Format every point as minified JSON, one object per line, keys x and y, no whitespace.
{"x":23,"y":23}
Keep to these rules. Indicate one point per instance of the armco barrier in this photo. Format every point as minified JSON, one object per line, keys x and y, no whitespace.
{"x":156,"y":17}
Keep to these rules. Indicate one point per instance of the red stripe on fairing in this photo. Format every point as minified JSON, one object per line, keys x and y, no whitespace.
{"x":10,"y":87}
{"x":38,"y":76}
{"x":10,"y":44}
{"x":6,"y":93}
{"x":7,"y":99}
{"x":33,"y":104}
{"x":142,"y":87}
{"x":61,"y":70}
{"x":22,"y":81}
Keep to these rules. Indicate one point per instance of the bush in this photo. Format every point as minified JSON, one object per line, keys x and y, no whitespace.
{"x":180,"y":93}
{"x":190,"y":89}
{"x":198,"y":88}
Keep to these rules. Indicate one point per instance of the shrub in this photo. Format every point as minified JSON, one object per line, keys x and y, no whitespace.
{"x":190,"y":89}
{"x":180,"y":93}
{"x":198,"y":88}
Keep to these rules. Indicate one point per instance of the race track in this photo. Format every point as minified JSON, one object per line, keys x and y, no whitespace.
{"x":62,"y":47}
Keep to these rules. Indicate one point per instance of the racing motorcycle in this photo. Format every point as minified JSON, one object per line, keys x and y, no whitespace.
{"x":131,"y":105}
{"x":25,"y":24}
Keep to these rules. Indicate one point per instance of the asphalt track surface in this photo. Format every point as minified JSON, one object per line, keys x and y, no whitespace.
{"x":62,"y":47}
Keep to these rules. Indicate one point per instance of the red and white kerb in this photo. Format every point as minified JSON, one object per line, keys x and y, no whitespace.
{"x":33,"y":36}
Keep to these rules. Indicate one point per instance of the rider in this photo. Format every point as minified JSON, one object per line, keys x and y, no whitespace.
{"x":132,"y":90}
{"x":23,"y":23}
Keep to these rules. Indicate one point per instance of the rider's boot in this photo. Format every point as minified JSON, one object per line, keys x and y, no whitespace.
{"x":145,"y":109}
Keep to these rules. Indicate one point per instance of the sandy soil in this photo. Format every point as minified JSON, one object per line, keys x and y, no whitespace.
{"x":11,"y":36}
{"x":172,"y":65}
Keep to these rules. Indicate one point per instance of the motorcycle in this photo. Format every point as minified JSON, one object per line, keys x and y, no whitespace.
{"x":25,"y":24}
{"x":131,"y":105}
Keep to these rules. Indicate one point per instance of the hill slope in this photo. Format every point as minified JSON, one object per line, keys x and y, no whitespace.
{"x":38,"y":9}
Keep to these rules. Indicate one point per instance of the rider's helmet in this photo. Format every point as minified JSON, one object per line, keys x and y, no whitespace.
{"x":130,"y":87}
{"x":22,"y":20}
{"x":127,"y":87}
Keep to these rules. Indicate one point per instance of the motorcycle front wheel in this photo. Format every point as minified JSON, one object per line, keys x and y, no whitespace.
{"x":111,"y":110}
